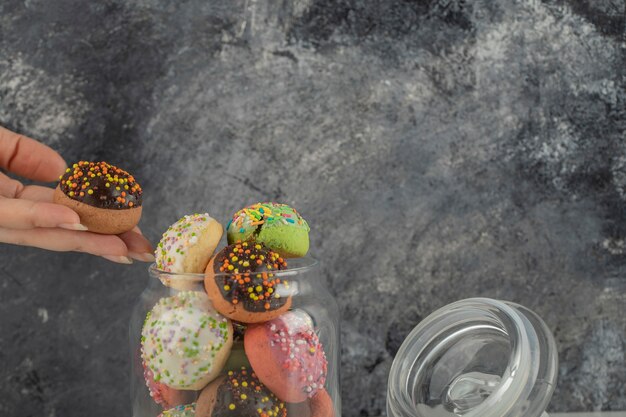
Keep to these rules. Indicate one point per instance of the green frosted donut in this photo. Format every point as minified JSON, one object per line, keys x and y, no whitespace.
{"x":277,"y":226}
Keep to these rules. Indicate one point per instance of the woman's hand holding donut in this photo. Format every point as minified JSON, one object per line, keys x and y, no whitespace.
{"x":29,"y":217}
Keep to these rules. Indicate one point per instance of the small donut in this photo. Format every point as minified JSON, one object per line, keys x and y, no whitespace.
{"x":185,"y":342}
{"x":241,"y":283}
{"x":163,"y":395}
{"x":106,"y":198}
{"x":321,"y":405}
{"x":241,"y":394}
{"x":188,"y":410}
{"x":287,"y":356}
{"x":277,"y":226}
{"x":187,"y":247}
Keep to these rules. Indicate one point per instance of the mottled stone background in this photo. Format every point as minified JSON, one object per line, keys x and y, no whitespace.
{"x":440,"y":149}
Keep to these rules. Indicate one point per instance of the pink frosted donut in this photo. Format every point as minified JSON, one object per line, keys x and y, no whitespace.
{"x":163,"y":395}
{"x":321,"y":405}
{"x":287,"y":356}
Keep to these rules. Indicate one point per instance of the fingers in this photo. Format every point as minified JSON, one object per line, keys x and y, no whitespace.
{"x":108,"y":246}
{"x":31,"y":206}
{"x":29,"y":158}
{"x":36,"y":193}
{"x":131,"y":244}
{"x":11,"y":188}
{"x":139,"y":247}
{"x":25,"y":214}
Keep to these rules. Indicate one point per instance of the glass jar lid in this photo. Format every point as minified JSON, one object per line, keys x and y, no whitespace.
{"x":475,"y":358}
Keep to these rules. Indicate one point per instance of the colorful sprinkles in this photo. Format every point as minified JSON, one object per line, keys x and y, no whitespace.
{"x":188,"y":410}
{"x":241,"y":394}
{"x":153,"y":387}
{"x":102,"y":185}
{"x":177,"y":240}
{"x":180,"y":338}
{"x":293,"y":337}
{"x":267,"y":214}
{"x":244,"y":273}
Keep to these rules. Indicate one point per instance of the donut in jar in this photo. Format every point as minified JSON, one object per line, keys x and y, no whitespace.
{"x":243,"y":282}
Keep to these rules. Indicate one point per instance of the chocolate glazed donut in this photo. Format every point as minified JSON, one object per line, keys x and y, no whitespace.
{"x":239,"y":393}
{"x":107,"y":198}
{"x":242,"y":285}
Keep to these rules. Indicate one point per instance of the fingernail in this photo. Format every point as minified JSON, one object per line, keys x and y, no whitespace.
{"x":118,"y":259}
{"x":73,"y":226}
{"x":144,"y":257}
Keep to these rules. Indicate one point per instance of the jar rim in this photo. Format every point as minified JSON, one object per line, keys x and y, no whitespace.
{"x":303,"y":264}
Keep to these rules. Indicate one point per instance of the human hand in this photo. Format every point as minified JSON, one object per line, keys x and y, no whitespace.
{"x":29,"y":217}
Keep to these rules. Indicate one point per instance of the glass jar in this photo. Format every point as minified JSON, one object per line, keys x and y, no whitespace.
{"x":475,"y":358}
{"x":314,"y":320}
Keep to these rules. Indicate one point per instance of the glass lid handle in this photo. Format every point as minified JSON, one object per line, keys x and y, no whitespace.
{"x":469,"y":390}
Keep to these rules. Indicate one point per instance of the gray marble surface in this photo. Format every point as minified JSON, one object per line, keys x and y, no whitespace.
{"x":440,"y":149}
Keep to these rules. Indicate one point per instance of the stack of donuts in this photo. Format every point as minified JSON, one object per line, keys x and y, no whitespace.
{"x":239,"y":348}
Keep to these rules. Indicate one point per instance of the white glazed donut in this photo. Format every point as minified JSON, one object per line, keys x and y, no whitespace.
{"x":186,"y":247}
{"x":185,"y":342}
